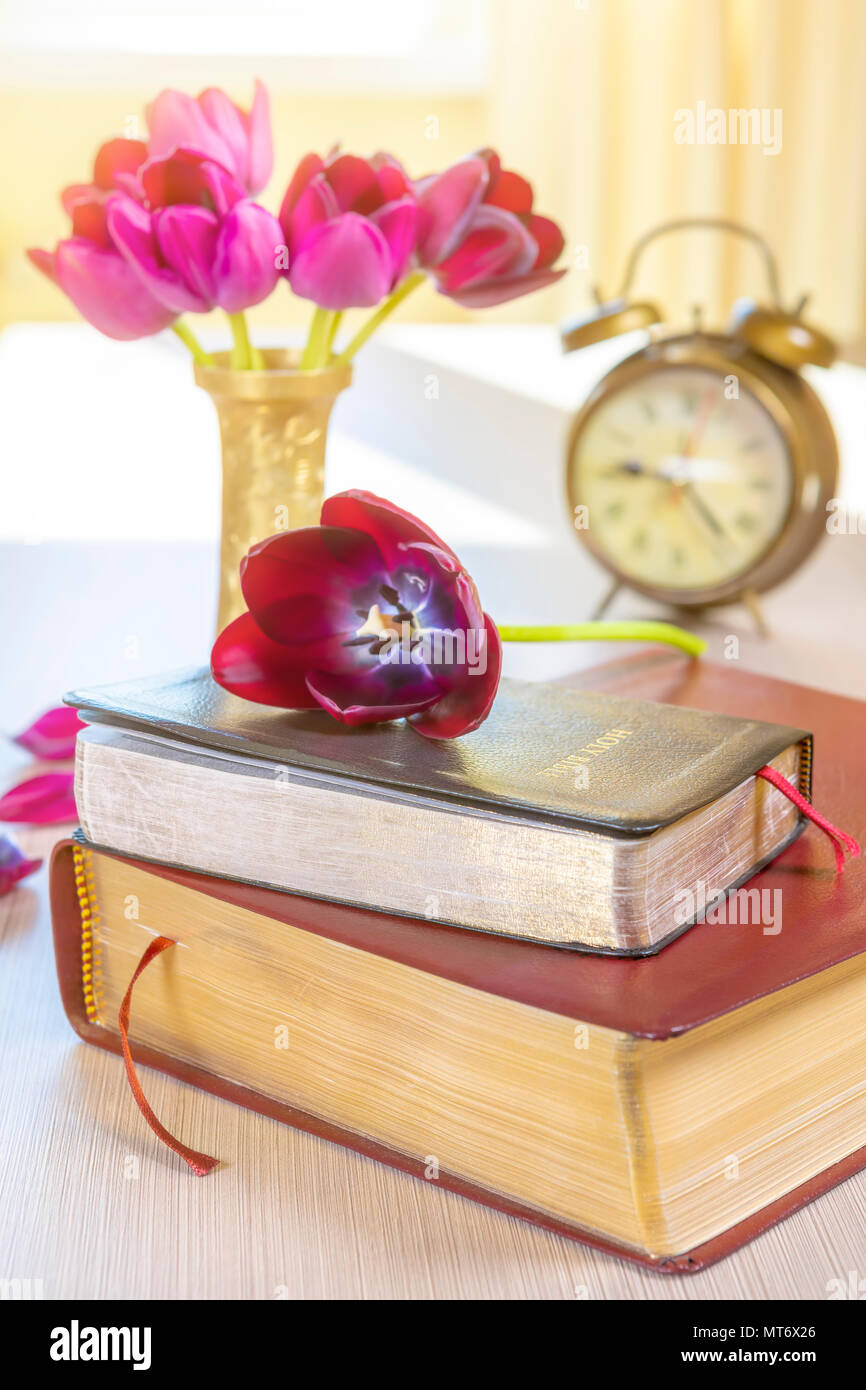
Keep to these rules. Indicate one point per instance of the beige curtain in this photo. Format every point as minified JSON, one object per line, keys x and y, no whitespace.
{"x":589,"y":95}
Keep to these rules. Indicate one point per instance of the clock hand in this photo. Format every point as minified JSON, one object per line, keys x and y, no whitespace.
{"x":708,"y":516}
{"x":704,"y":411}
{"x":633,"y":467}
{"x":701,"y":507}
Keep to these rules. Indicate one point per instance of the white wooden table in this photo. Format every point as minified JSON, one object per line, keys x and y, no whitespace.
{"x":90,"y":1205}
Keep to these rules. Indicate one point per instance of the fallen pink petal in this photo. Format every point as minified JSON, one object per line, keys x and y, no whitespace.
{"x":51,"y":737}
{"x":44,"y":800}
{"x":14,"y":865}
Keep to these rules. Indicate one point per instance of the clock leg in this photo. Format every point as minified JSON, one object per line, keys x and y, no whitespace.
{"x":606,"y":600}
{"x":751,"y":601}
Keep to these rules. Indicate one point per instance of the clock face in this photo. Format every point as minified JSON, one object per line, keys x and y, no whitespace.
{"x":685,"y":485}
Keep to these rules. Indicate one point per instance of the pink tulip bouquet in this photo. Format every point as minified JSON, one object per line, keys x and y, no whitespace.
{"x":170,"y":227}
{"x":346,"y":615}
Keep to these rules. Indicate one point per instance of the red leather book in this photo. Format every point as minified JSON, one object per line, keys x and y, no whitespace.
{"x":667,"y":1109}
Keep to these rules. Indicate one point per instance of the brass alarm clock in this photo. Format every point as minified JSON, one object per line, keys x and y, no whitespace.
{"x":699,"y":470}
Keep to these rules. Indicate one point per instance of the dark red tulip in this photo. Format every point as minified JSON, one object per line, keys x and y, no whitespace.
{"x":369,"y":616}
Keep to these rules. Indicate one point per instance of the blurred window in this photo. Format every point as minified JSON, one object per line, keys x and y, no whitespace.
{"x":366,"y":43}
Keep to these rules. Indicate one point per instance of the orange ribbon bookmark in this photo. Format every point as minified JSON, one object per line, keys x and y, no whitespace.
{"x":201,"y":1164}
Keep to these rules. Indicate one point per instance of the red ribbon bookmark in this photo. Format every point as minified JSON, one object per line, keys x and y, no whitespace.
{"x":200,"y":1164}
{"x":838,"y":838}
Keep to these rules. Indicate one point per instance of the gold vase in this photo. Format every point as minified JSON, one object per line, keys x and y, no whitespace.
{"x":273,"y":430}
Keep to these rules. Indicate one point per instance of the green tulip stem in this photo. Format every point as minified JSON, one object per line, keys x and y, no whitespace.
{"x":241,"y":358}
{"x":332,"y":330}
{"x":318,"y":346}
{"x":608,"y":632}
{"x":189,"y":340}
{"x":368,"y":328}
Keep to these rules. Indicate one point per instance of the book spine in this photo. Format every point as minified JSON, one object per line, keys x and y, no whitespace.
{"x":805,"y":778}
{"x":91,"y":979}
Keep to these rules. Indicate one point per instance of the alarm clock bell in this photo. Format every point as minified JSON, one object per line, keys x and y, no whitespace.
{"x":608,"y":320}
{"x":781,"y":336}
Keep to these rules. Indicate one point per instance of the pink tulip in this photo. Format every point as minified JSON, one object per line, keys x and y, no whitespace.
{"x":212,"y":124}
{"x":116,"y":166}
{"x":196,"y":241}
{"x":52,"y":736}
{"x":43,"y":800}
{"x":87,"y":266}
{"x":478,"y":236}
{"x":349,"y":226}
{"x":103,"y":288}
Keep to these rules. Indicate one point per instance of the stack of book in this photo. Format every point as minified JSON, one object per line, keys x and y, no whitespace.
{"x":523,"y":965}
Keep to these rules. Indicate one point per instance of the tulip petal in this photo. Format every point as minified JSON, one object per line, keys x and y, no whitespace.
{"x":484,"y":296}
{"x":390,"y":527}
{"x":187,"y":177}
{"x":336,"y":564}
{"x":108,"y":291}
{"x":214,"y":125}
{"x":260,"y":150}
{"x":510,"y":191}
{"x":132,"y":230}
{"x":394,"y":182}
{"x":369,"y":700}
{"x":447,"y":204}
{"x":316,"y":633}
{"x":44,"y":261}
{"x":547,"y":237}
{"x":247,"y":249}
{"x":175,"y":121}
{"x":483,"y":254}
{"x":354,"y":184}
{"x":452,"y":599}
{"x":342,"y":264}
{"x":226,"y":120}
{"x":493,"y":162}
{"x":316,"y":204}
{"x":498,"y":245}
{"x":14,"y":865}
{"x":306,"y":170}
{"x":74,"y":193}
{"x":51,"y":736}
{"x":467,"y":703}
{"x":43,"y":800}
{"x":398,"y":224}
{"x":187,"y":242}
{"x":247,"y":663}
{"x":89,"y":220}
{"x":117,"y":157}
